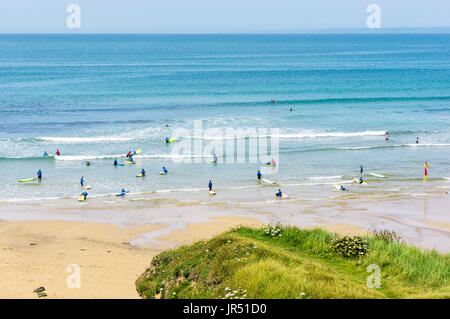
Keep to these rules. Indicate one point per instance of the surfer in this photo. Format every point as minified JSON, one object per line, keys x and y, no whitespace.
{"x":386,"y":137}
{"x":143,"y":172}
{"x":115,"y":162}
{"x":129,"y":154}
{"x":88,"y":163}
{"x":58,"y":152}
{"x":342,"y":188}
{"x":165,"y":170}
{"x":45,"y":153}
{"x":417,"y":140}
{"x":291,"y":109}
{"x":39,"y":174}
{"x":273,"y":101}
{"x":84,"y":194}
{"x":214,"y":158}
{"x":123,"y":192}
{"x":167,"y":140}
{"x":279,"y":194}
{"x":131,"y":159}
{"x":361,"y":180}
{"x":210,"y":185}
{"x":82,"y":181}
{"x":259,"y":175}
{"x":361,"y":168}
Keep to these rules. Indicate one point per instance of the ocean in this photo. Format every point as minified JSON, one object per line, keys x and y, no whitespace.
{"x":96,"y":97}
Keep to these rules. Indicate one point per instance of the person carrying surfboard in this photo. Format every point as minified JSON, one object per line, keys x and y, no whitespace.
{"x":279,"y":194}
{"x":210,"y":185}
{"x":259,"y":175}
{"x":82,"y":181}
{"x":39,"y":174}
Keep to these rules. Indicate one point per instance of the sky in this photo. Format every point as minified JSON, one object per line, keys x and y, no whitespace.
{"x":216,"y":16}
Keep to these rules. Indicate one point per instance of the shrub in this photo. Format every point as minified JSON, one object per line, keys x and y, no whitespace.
{"x":353,"y":247}
{"x":386,"y":235}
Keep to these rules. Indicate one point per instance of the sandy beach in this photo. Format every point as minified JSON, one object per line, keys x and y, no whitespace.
{"x":38,"y":253}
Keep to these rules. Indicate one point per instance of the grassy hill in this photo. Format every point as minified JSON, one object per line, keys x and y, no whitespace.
{"x":288,"y":262}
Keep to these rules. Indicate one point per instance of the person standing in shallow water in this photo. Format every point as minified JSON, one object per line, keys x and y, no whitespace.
{"x":39,"y":174}
{"x":417,"y":140}
{"x":210,"y":185}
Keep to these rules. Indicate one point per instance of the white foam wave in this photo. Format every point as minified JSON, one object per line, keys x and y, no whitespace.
{"x":74,"y":140}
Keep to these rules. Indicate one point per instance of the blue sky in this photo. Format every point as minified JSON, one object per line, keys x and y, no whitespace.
{"x":212,"y":16}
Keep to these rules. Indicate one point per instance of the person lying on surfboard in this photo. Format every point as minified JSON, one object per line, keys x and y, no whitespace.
{"x":259,"y":175}
{"x":279,"y":194}
{"x":39,"y":174}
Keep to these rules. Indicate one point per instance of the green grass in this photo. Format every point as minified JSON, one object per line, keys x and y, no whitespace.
{"x":249,"y":263}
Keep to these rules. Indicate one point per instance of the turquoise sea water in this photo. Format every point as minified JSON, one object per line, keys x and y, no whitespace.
{"x":96,"y":97}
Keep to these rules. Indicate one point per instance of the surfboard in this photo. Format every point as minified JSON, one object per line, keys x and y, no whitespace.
{"x":139,"y":175}
{"x":120,"y":165}
{"x":171,"y":140}
{"x":212,"y":160}
{"x":357,"y":181}
{"x":284,"y":196}
{"x":139,"y":151}
{"x":162,"y":173}
{"x":81,"y":198}
{"x":267,"y":181}
{"x":88,"y":187}
{"x":212,"y":193}
{"x":377,"y":175}
{"x":338,"y":187}
{"x":122,"y":194}
{"x":129,"y":162}
{"x":27,"y":180}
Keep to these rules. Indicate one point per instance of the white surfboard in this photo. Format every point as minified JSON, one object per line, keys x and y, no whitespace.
{"x":267,"y":181}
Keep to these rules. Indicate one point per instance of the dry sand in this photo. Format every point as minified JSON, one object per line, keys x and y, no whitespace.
{"x":38,"y":253}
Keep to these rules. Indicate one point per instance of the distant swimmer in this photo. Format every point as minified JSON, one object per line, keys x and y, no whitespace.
{"x":291,"y":109}
{"x":88,"y":163}
{"x":39,"y":174}
{"x":165,"y":170}
{"x":143,"y":172}
{"x":417,"y":140}
{"x":82,"y":181}
{"x":273,"y":101}
{"x":259,"y":175}
{"x":84,"y":194}
{"x":386,"y":137}
{"x":58,"y":152}
{"x":279,"y":194}
{"x":167,"y":125}
{"x":115,"y":162}
{"x":210,"y":185}
{"x":361,"y":168}
{"x":45,"y":153}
